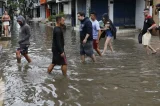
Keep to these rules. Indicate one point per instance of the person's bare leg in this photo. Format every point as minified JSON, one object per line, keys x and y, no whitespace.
{"x":27,"y":58}
{"x":110,"y":46}
{"x":82,"y":58}
{"x":6,"y":30}
{"x":98,"y":51}
{"x":18,"y":56}
{"x":64,"y":70}
{"x":151,"y":48}
{"x":50,"y":68}
{"x":93,"y":57}
{"x":147,"y":49}
{"x":105,"y":45}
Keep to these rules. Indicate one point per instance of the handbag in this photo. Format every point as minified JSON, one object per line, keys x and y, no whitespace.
{"x":140,"y":38}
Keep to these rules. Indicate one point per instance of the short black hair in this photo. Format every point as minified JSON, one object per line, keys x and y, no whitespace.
{"x":81,"y":13}
{"x":58,"y":18}
{"x":105,"y":16}
{"x":94,"y":13}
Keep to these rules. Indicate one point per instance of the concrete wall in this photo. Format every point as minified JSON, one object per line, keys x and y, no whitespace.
{"x":156,"y":16}
{"x":140,"y":5}
{"x":110,"y":9}
{"x":67,"y":8}
{"x":42,"y":12}
{"x":34,"y":12}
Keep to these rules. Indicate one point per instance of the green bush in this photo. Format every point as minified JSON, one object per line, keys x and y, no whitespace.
{"x":52,"y":17}
{"x":61,"y":14}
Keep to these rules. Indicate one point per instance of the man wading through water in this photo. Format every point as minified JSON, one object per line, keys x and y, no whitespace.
{"x":24,"y":43}
{"x":149,"y":24}
{"x":59,"y":57}
{"x":96,"y":32}
{"x":86,"y":38}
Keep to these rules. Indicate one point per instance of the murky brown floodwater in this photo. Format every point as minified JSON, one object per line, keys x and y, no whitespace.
{"x":127,"y":77}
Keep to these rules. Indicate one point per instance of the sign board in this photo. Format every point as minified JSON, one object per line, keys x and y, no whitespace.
{"x":57,"y":1}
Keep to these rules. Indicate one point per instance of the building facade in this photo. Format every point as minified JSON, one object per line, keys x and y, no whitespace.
{"x":3,"y":4}
{"x":123,"y":13}
{"x":36,"y":8}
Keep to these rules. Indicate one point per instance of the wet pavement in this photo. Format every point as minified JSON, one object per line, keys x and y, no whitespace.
{"x":128,"y":77}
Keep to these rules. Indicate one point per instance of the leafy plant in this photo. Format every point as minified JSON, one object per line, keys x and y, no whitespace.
{"x":52,"y":18}
{"x":61,"y":14}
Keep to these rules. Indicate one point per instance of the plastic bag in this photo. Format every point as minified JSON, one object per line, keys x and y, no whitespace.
{"x":146,"y":38}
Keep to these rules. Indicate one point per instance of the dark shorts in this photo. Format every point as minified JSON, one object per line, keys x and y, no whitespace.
{"x":87,"y":48}
{"x":95,"y":44}
{"x":58,"y":60}
{"x":108,"y":33}
{"x":23,"y":49}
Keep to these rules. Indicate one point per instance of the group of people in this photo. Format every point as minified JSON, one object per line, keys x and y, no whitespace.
{"x":90,"y":33}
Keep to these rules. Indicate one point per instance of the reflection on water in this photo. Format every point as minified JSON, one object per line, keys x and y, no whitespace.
{"x":127,"y":77}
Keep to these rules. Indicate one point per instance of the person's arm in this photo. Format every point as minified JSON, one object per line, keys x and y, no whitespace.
{"x":89,"y":31}
{"x":28,"y":34}
{"x":152,"y":27}
{"x":9,"y":18}
{"x":152,"y":23}
{"x":99,"y":35}
{"x":99,"y":31}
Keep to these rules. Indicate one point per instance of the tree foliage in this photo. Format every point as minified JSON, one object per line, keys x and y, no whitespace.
{"x":13,"y":5}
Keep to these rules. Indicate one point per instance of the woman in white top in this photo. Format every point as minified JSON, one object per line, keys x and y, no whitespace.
{"x":5,"y":20}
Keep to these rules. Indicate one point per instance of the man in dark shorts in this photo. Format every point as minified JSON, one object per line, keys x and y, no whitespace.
{"x":59,"y":57}
{"x":86,"y":38}
{"x":24,"y":43}
{"x":96,"y":32}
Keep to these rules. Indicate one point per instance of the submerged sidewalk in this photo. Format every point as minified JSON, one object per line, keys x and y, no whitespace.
{"x":119,"y":31}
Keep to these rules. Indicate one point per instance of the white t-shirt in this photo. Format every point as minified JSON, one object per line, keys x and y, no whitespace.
{"x":95,"y":28}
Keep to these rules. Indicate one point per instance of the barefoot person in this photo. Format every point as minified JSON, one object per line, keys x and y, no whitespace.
{"x":149,"y":24}
{"x":59,"y":57}
{"x":109,"y":35}
{"x":86,"y":38}
{"x":5,"y":20}
{"x":96,"y":32}
{"x":24,"y":43}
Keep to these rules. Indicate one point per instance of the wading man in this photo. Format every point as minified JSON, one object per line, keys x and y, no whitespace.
{"x":86,"y":38}
{"x":24,"y":43}
{"x":96,"y":32}
{"x":59,"y":57}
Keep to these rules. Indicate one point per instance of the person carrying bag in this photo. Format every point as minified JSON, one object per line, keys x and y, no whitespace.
{"x":149,"y":24}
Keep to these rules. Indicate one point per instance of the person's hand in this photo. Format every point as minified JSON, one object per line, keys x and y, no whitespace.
{"x":84,"y":41}
{"x":62,"y":55}
{"x":148,"y":29}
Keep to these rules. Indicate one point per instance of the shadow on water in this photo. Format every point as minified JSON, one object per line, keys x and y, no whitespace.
{"x":127,"y":77}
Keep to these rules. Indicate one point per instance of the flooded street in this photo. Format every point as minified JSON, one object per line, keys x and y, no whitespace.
{"x":128,"y":77}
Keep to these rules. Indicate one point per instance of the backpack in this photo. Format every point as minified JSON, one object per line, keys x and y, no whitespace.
{"x":113,"y":29}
